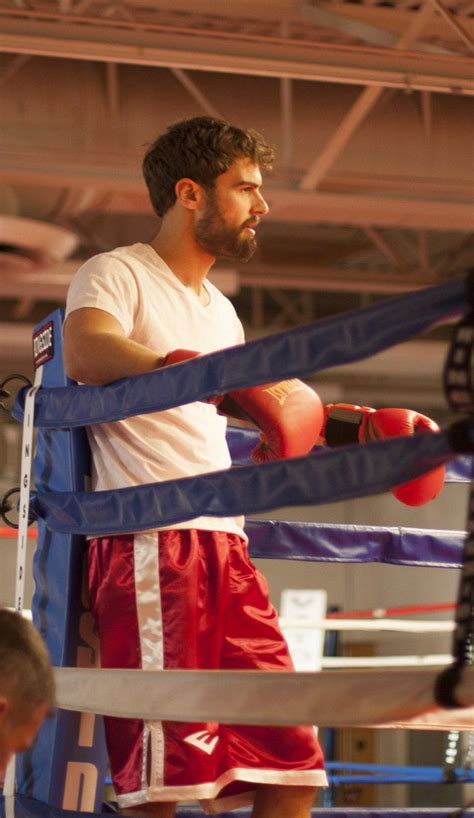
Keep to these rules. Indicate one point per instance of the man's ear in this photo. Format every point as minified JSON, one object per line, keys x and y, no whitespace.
{"x":188,"y":193}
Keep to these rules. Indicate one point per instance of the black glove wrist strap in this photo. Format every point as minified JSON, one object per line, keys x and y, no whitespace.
{"x":342,"y":426}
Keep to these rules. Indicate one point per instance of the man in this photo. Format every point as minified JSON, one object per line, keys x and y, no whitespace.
{"x":26,"y":685}
{"x":187,"y":597}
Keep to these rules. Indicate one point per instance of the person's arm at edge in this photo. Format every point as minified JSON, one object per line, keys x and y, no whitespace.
{"x":97,"y":351}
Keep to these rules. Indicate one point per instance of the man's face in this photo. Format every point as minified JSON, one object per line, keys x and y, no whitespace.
{"x":232,"y":211}
{"x":18,"y":738}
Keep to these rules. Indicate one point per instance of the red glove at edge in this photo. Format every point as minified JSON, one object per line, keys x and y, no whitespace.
{"x":347,"y":423}
{"x":178,"y":356}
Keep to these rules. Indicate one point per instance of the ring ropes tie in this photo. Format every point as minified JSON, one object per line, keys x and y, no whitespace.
{"x":458,"y":385}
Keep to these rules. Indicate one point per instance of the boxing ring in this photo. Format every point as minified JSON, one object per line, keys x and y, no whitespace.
{"x":66,"y":768}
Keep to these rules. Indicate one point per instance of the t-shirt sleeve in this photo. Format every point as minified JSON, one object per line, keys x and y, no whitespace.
{"x":106,"y":283}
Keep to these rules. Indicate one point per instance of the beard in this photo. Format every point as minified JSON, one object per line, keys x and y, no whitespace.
{"x":215,"y":237}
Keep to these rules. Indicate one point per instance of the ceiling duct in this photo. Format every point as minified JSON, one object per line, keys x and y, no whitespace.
{"x":27,"y":245}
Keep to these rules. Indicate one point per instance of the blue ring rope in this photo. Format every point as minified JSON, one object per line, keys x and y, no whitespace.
{"x":331,"y":342}
{"x":241,"y":441}
{"x":333,"y":543}
{"x":327,"y":477}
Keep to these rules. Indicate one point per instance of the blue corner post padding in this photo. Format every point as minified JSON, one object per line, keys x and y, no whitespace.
{"x":67,"y":766}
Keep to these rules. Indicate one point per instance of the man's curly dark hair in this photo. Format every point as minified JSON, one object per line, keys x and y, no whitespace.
{"x":199,"y":149}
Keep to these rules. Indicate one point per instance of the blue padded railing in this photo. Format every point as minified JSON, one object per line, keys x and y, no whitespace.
{"x":332,"y":342}
{"x":326,"y":477}
{"x":241,"y":442}
{"x":331,"y":543}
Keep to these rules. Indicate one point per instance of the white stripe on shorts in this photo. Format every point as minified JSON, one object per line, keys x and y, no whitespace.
{"x":150,"y":627}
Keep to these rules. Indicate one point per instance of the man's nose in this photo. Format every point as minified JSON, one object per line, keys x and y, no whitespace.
{"x":260,"y":205}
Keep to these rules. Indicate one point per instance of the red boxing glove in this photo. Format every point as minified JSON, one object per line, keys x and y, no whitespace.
{"x":345,"y":423}
{"x":289,"y":415}
{"x":178,"y":356}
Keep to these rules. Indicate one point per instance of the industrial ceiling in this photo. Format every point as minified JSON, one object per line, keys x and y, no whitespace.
{"x":369,"y":105}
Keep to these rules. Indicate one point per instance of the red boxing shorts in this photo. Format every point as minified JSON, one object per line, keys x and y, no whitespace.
{"x":188,"y":599}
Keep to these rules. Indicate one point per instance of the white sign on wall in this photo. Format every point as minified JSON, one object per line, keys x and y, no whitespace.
{"x":301,"y":608}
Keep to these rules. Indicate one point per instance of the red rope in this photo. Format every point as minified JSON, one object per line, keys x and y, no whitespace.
{"x":406,"y":610}
{"x":10,"y":533}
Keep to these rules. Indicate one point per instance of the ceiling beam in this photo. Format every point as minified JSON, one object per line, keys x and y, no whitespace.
{"x":228,"y":52}
{"x":82,"y":6}
{"x":426,"y":108}
{"x":51,"y":283}
{"x":359,"y":110}
{"x":128,"y":194}
{"x":304,"y":207}
{"x":318,"y":278}
{"x":286,"y":110}
{"x":383,"y":246}
{"x":124,"y":184}
{"x":286,"y":117}
{"x":112,"y":91}
{"x":366,"y":32}
{"x":195,"y":92}
{"x":340,"y":137}
{"x":462,"y":251}
{"x":15,"y":64}
{"x":455,"y":24}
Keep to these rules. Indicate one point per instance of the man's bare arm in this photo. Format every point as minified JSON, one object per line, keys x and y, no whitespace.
{"x":96,"y":350}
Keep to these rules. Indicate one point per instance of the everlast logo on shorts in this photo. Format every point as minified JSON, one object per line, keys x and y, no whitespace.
{"x":43,"y":345}
{"x":280,"y":391}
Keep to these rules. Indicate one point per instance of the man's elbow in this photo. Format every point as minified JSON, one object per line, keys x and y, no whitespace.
{"x":81,"y":372}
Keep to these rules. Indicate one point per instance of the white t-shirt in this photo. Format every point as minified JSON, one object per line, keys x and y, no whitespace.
{"x":156,"y":310}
